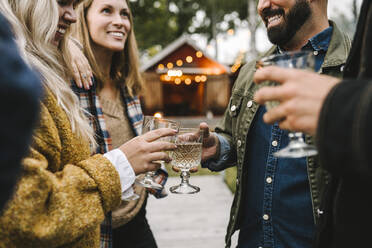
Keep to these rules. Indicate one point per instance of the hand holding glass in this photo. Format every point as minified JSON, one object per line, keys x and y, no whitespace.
{"x":296,"y":148}
{"x":151,"y":123}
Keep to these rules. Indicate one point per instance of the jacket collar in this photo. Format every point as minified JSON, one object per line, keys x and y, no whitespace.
{"x":338,"y":49}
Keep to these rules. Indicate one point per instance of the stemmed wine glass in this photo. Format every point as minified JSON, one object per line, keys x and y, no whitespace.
{"x":151,"y":123}
{"x":187,"y":155}
{"x":297,"y":147}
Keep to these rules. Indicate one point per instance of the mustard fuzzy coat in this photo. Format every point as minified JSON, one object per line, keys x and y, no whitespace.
{"x":63,"y":193}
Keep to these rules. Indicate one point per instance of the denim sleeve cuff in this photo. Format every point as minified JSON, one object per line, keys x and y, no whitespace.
{"x":222,"y":162}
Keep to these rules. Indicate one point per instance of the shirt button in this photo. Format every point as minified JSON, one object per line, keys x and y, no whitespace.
{"x":237,"y":181}
{"x":269,"y":180}
{"x":342,"y":68}
{"x":316,"y":53}
{"x":265,"y":217}
{"x":233,"y":108}
{"x":249,"y":104}
{"x":239,"y":143}
{"x":274,"y":143}
{"x":319,"y":212}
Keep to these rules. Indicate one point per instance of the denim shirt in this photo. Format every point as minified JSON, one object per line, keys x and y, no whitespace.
{"x":277,"y":208}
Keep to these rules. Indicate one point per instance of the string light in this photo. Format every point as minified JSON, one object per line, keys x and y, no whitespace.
{"x":230,"y":31}
{"x":177,"y":81}
{"x":161,"y":67}
{"x":189,"y":59}
{"x":175,"y":73}
{"x":197,"y":79}
{"x":187,"y":81}
{"x":158,"y":115}
{"x":170,"y":65}
{"x":199,"y":54}
{"x":179,"y":62}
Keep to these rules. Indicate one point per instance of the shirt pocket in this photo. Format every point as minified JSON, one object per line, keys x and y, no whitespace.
{"x":234,"y":105}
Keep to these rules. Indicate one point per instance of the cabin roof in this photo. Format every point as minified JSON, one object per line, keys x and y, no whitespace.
{"x":179,"y":47}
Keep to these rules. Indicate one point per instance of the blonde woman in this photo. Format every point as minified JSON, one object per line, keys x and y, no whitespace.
{"x":63,"y":193}
{"x":105,"y":31}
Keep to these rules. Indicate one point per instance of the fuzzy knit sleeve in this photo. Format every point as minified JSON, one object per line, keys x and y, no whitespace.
{"x":63,"y":193}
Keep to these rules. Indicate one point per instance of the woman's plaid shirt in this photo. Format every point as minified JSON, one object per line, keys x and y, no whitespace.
{"x":89,"y":101}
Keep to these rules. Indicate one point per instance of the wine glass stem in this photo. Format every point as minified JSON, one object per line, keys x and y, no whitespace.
{"x":149,"y":175}
{"x":296,"y":136}
{"x":185,"y":175}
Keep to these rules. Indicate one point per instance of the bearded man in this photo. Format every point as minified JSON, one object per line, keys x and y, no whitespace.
{"x":276,"y":201}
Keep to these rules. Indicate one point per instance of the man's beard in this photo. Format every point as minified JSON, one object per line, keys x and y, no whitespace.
{"x":283,"y":33}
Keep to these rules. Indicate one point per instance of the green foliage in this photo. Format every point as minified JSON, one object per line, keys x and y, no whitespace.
{"x":162,"y":21}
{"x":153,"y":23}
{"x":216,"y":10}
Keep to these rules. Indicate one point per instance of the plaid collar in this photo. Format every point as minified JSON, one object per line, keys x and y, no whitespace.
{"x":89,"y":101}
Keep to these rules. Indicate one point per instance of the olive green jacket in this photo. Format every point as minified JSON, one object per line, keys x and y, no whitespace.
{"x":240,"y":113}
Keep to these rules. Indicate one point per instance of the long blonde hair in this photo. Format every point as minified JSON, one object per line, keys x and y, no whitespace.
{"x":34,"y":24}
{"x":125,"y":64}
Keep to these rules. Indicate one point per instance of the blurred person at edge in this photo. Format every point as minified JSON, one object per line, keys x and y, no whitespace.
{"x":339,"y":114}
{"x":63,"y":192}
{"x":104,"y":42}
{"x":20,"y":93}
{"x":276,"y":201}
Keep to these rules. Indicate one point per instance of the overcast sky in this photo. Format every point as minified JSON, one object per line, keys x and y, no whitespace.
{"x":340,"y":5}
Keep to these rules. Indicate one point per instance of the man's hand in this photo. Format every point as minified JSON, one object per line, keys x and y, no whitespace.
{"x":301,"y":95}
{"x":210,"y":143}
{"x":210,"y":146}
{"x":142,"y":150}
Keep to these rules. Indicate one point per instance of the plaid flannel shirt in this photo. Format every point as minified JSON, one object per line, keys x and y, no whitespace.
{"x":90,"y":103}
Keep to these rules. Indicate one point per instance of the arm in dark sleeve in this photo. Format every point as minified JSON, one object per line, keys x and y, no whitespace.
{"x":20,"y":92}
{"x":344,"y":133}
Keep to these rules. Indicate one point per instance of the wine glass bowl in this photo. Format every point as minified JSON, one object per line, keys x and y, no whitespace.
{"x":305,"y":60}
{"x":151,"y":123}
{"x":187,"y":155}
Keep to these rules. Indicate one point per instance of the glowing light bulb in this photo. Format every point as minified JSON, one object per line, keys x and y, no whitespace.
{"x":179,"y":62}
{"x":170,"y":65}
{"x":158,"y":115}
{"x":189,"y":59}
{"x":177,"y":81}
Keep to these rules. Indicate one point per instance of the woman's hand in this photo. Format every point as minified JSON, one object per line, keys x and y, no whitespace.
{"x":82,"y":72}
{"x":143,"y":150}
